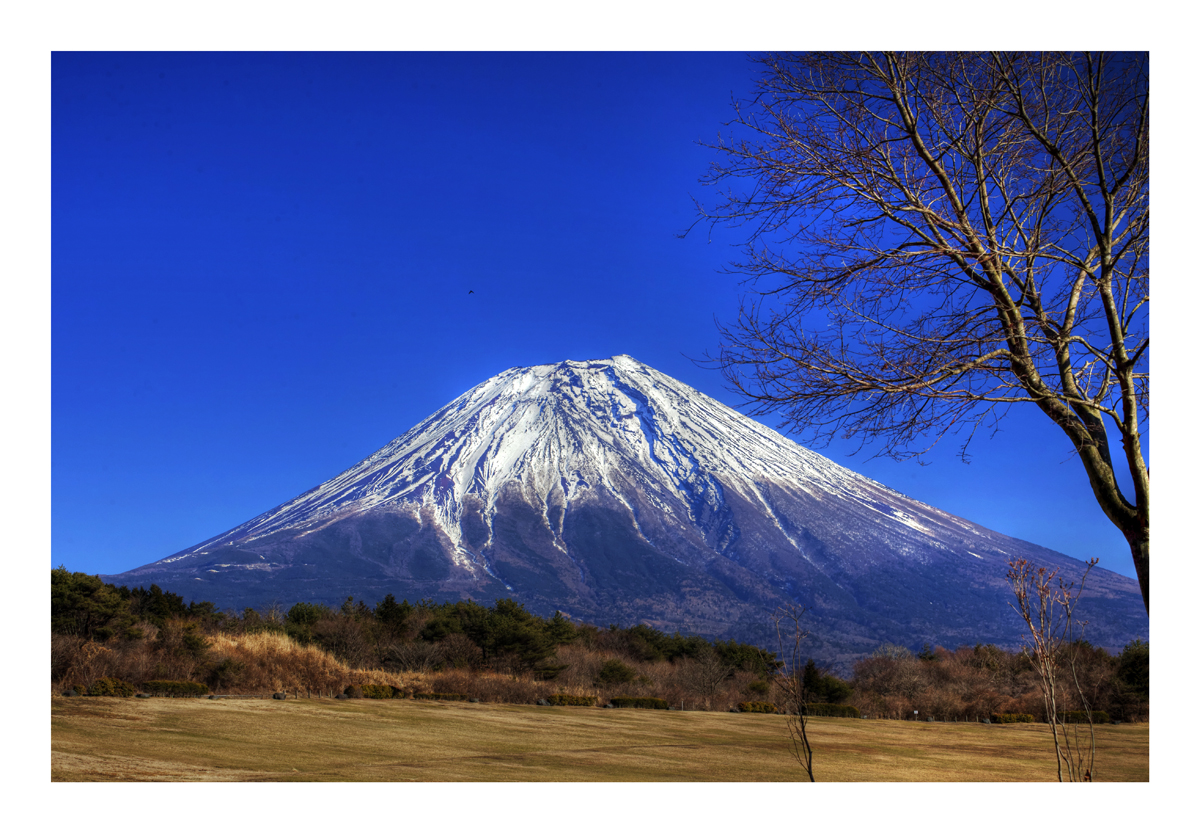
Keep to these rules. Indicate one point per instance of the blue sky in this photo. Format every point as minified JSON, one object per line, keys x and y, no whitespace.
{"x":266,"y":266}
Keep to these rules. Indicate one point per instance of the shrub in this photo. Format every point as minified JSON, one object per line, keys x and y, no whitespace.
{"x":639,"y":703}
{"x":756,"y":707}
{"x":571,"y":700}
{"x":379,"y":692}
{"x":1081,"y":717}
{"x":111,"y":687}
{"x":1009,"y":717}
{"x":354,"y":692}
{"x":433,"y":695}
{"x":175,"y":688}
{"x":830,"y":710}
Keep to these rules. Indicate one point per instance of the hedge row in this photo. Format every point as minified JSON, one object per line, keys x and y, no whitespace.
{"x":433,"y":695}
{"x":111,"y":687}
{"x":1008,"y":717}
{"x":639,"y":703}
{"x":830,"y":710}
{"x":571,"y":700}
{"x":756,"y":707}
{"x":175,"y":688}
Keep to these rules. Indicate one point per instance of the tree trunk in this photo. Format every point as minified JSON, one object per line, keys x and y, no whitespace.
{"x":1139,"y":546}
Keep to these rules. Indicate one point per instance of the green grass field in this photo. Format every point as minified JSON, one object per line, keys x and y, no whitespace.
{"x":114,"y":739}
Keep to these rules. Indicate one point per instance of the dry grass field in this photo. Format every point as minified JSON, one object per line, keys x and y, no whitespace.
{"x":115,"y":739}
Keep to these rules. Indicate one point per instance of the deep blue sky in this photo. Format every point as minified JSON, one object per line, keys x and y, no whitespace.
{"x":261,"y":266}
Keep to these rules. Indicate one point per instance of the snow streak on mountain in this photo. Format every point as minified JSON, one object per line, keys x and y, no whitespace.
{"x":612,"y":492}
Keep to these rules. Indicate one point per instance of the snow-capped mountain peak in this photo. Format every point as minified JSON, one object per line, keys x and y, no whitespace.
{"x":555,"y":430}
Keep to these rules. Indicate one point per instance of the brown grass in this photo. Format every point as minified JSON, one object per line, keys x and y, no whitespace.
{"x":274,"y":662}
{"x":111,"y":739}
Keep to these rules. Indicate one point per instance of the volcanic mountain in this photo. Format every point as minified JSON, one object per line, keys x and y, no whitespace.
{"x":614,"y":493}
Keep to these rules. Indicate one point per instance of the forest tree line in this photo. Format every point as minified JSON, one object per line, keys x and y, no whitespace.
{"x":504,"y":653}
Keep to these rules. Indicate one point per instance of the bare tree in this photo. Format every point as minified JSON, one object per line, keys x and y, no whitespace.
{"x":1046,"y":603}
{"x":703,"y":675}
{"x":934,"y":238}
{"x":790,"y":681}
{"x":273,"y":613}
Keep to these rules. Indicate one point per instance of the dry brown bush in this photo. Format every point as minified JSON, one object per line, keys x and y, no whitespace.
{"x":378,"y":676}
{"x":64,"y":648}
{"x":983,"y":701}
{"x":489,"y":687}
{"x":91,"y":662}
{"x":412,"y":657}
{"x":873,"y":704}
{"x":136,"y":661}
{"x":707,"y":683}
{"x":583,"y":664}
{"x":76,"y":661}
{"x":964,"y":684}
{"x":667,"y":681}
{"x":273,"y":661}
{"x":170,"y":666}
{"x":459,"y":651}
{"x":345,"y":638}
{"x":940,"y":704}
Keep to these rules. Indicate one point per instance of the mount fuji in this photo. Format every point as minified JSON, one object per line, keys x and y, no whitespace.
{"x":614,"y":493}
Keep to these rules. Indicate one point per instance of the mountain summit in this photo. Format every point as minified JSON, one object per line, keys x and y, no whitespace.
{"x":614,"y":493}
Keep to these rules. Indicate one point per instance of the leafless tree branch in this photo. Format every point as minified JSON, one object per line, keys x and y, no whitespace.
{"x":932,"y":237}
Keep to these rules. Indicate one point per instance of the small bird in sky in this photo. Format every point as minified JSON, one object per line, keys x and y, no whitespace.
{"x":471,"y":292}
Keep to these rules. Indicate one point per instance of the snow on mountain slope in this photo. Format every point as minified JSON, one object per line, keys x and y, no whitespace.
{"x":567,"y":427}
